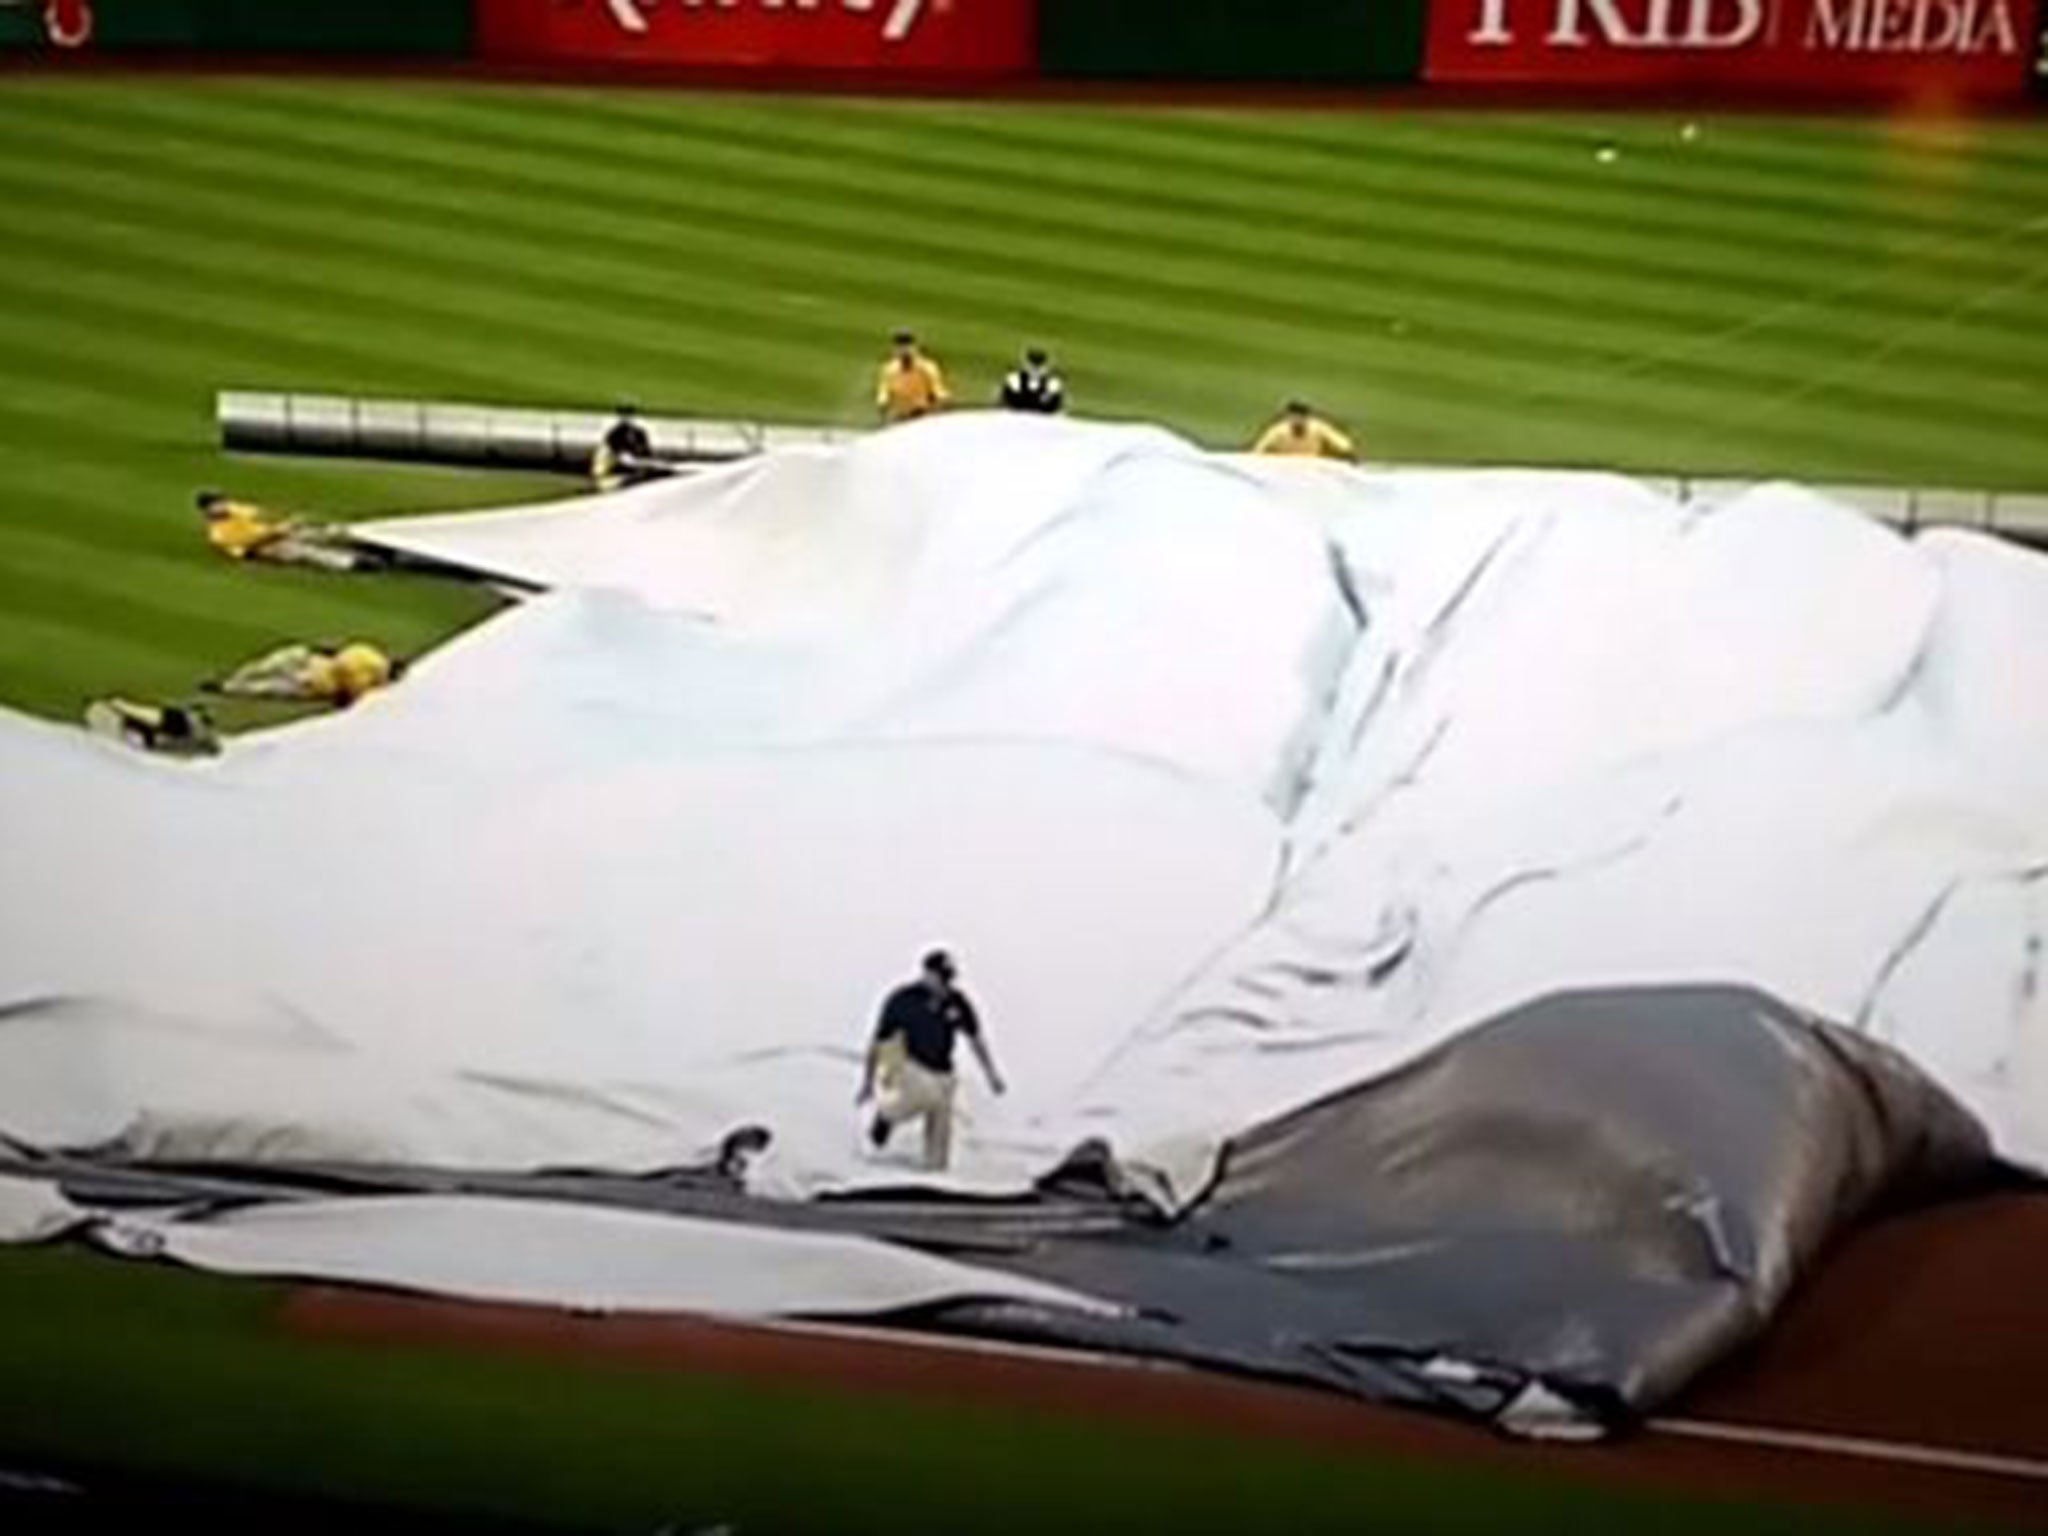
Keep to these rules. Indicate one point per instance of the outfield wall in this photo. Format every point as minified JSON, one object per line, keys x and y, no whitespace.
{"x":1945,"y":49}
{"x":441,"y":29}
{"x":1272,"y":41}
{"x":1931,"y":52}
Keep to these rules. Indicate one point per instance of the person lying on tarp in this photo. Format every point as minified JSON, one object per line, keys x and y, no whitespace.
{"x":910,"y":1059}
{"x":625,"y":454}
{"x":241,"y":530}
{"x":337,"y":675}
{"x":1301,"y":432}
{"x":175,"y":730}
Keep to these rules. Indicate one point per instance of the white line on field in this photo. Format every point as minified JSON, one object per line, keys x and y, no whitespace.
{"x":950,"y":1343}
{"x":1939,"y":1457}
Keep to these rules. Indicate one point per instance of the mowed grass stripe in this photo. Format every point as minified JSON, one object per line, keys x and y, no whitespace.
{"x":1974,"y":366}
{"x":1680,"y":418}
{"x":1821,"y":297}
{"x":1523,"y":188}
{"x":1493,"y":342}
{"x":1073,"y":212}
{"x":1555,"y":175}
{"x":459,"y":274}
{"x":214,"y":109}
{"x":1018,"y":239}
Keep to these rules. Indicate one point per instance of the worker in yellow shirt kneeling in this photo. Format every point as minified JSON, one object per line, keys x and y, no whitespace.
{"x":1302,"y":433}
{"x":910,"y":383}
{"x":314,"y":674}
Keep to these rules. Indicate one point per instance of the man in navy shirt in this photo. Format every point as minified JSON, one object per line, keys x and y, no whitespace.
{"x":1034,"y":387}
{"x":912,"y":1057}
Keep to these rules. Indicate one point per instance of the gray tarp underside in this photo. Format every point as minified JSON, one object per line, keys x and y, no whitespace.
{"x":1598,"y":1194}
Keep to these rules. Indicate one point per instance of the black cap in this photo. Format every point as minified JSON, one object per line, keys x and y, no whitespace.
{"x":1297,"y":407}
{"x":628,"y":407}
{"x":905,"y":338}
{"x":1035,"y":356}
{"x":940,"y":964}
{"x":206,"y":499}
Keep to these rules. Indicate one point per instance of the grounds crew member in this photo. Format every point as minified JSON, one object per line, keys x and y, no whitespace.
{"x":241,"y":530}
{"x":911,"y":1058}
{"x":1301,"y":432}
{"x":175,"y":730}
{"x":625,"y":454}
{"x":1033,"y":386}
{"x":910,"y":383}
{"x":337,"y":675}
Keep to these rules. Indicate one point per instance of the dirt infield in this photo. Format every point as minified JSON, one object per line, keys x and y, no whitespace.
{"x":1926,"y":1333}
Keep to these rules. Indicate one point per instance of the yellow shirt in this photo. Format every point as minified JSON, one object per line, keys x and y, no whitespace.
{"x":904,"y":390}
{"x":1315,"y":438}
{"x":351,"y":672}
{"x":239,"y":529}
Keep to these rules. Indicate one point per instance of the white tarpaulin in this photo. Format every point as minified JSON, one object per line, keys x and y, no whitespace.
{"x":32,"y":1211}
{"x":539,"y":1252}
{"x":632,"y":864}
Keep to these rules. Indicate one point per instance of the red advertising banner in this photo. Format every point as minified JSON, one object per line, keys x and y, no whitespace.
{"x":1929,"y":48}
{"x":922,"y":37}
{"x":46,"y":23}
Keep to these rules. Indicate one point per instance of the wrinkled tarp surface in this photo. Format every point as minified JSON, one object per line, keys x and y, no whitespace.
{"x":1551,"y":1222}
{"x":1235,"y":785}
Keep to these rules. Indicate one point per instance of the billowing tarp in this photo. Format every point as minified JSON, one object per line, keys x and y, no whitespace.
{"x":1552,"y":1222}
{"x":1234,"y":784}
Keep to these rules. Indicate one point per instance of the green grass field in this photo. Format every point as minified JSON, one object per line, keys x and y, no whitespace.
{"x":176,"y":1375}
{"x":1815,"y":297}
{"x":1818,"y":298}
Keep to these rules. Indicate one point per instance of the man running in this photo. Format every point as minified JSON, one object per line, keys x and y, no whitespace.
{"x":1302,"y":433}
{"x":911,"y":1056}
{"x":910,"y":383}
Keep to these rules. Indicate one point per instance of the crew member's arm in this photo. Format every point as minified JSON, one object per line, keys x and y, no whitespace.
{"x":941,"y":396}
{"x":1337,"y":446}
{"x":882,"y":391}
{"x":970,"y":1026}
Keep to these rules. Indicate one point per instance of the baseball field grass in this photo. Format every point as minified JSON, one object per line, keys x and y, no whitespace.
{"x":1825,"y":298}
{"x":174,"y":1376}
{"x":1831,"y":299}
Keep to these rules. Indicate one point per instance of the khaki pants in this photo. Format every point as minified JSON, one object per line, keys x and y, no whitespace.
{"x":317,"y":548}
{"x":285,"y":673}
{"x":918,"y":1093}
